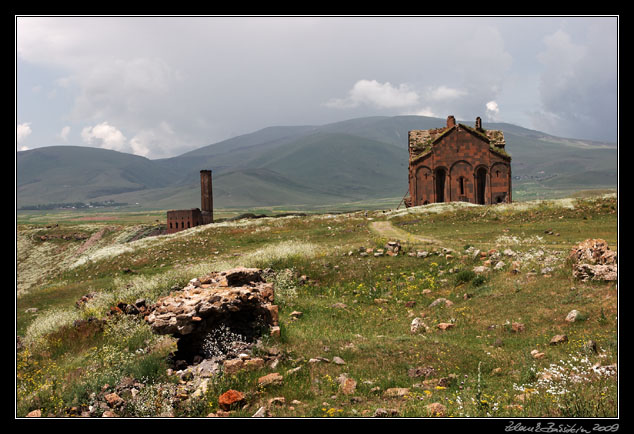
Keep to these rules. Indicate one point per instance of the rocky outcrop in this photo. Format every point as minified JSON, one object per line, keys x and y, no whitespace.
{"x":593,"y":260}
{"x":213,"y":313}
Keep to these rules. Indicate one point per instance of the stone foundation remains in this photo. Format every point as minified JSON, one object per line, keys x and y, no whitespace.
{"x":217,"y":316}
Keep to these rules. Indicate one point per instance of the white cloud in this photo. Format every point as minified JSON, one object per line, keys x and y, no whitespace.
{"x":64,"y":133}
{"x":139,"y":146}
{"x":444,"y":93}
{"x":427,"y":111}
{"x":380,"y":95}
{"x":105,"y":136}
{"x":23,"y":131}
{"x":492,"y":110}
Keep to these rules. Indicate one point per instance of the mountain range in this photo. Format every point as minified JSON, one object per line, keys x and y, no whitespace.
{"x":357,"y":160}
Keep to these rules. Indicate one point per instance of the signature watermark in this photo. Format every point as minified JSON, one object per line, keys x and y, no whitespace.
{"x":552,"y":427}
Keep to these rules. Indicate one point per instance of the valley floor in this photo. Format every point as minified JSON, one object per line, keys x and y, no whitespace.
{"x":460,"y":322}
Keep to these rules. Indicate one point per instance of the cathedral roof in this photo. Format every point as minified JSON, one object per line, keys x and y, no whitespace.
{"x":421,"y":142}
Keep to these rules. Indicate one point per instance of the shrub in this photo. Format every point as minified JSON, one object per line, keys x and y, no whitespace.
{"x":478,"y":280}
{"x":465,"y":276}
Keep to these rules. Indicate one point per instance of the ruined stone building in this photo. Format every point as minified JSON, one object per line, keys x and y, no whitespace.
{"x":177,"y":220}
{"x":458,"y":163}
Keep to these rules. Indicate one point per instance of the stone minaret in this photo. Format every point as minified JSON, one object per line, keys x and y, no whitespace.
{"x":206,"y":197}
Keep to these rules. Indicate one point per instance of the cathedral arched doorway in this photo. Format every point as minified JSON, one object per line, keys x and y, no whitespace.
{"x":481,"y":183}
{"x":440,"y":176}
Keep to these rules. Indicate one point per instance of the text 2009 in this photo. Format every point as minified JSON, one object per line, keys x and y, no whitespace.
{"x":606,"y":428}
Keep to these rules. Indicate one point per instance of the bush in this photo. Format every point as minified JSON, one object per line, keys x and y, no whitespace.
{"x":478,"y":280}
{"x":465,"y":276}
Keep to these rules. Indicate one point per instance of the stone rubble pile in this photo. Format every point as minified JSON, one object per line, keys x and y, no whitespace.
{"x":593,"y":260}
{"x":232,"y":295}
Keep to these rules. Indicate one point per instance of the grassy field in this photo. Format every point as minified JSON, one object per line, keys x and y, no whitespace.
{"x":355,"y":307}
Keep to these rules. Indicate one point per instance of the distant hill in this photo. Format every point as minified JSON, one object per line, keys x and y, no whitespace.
{"x":355,"y":160}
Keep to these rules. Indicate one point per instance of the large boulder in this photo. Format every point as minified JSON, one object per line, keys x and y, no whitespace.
{"x":593,"y":260}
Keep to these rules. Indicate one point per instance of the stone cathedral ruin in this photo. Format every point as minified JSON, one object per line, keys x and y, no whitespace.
{"x":458,"y":163}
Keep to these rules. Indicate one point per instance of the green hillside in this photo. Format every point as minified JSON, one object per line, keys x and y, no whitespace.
{"x":76,"y":173}
{"x":344,"y":165}
{"x":355,"y":160}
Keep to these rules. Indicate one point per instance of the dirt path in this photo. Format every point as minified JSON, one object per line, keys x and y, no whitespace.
{"x":385,"y":229}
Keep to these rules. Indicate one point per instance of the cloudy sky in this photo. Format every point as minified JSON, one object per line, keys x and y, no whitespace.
{"x":161,"y":86}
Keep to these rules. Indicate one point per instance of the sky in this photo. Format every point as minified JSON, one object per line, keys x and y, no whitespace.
{"x":161,"y":86}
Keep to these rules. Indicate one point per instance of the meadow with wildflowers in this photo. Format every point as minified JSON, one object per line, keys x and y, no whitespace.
{"x":482,"y":346}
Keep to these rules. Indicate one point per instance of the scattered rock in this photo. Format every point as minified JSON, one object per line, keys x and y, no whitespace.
{"x":418,"y":326}
{"x":35,"y":413}
{"x":262,"y":412}
{"x":436,"y":409}
{"x":447,"y":381}
{"x":591,"y":346}
{"x":347,"y":385}
{"x":536,"y":354}
{"x":277,"y":401}
{"x":558,"y":339}
{"x":574,"y":315}
{"x":423,"y":371}
{"x":113,"y":400}
{"x":232,"y":366}
{"x":517,"y":327}
{"x":382,"y":412}
{"x":273,"y":379}
{"x":522,"y":397}
{"x":338,"y":361}
{"x":515,"y":267}
{"x":230,"y":399}
{"x":472,"y":252}
{"x":594,"y":272}
{"x":275,"y":332}
{"x":444,"y":301}
{"x":293,"y":370}
{"x":85,"y":299}
{"x":396,"y":392}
